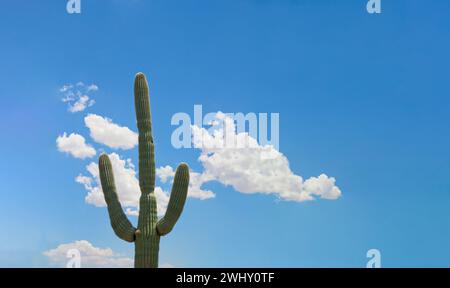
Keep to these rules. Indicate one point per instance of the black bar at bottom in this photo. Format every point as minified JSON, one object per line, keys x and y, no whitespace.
{"x":225,"y":277}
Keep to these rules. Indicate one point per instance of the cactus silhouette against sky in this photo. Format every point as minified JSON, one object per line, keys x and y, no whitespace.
{"x":149,"y":230}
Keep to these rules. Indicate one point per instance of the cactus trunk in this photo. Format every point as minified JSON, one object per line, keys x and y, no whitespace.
{"x":149,"y":229}
{"x":147,"y":241}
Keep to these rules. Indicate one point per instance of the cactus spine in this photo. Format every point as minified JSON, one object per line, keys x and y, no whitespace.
{"x":149,"y":230}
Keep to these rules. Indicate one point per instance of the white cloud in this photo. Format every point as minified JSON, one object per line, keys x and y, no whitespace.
{"x":90,"y":256}
{"x":323,"y":186}
{"x":82,"y":103}
{"x":92,"y":88}
{"x":196,"y":180}
{"x":75,"y":145}
{"x":66,"y":88}
{"x":104,"y":131}
{"x":252,"y":168}
{"x":77,"y":96}
{"x":237,"y":160}
{"x":167,"y":173}
{"x":127,"y":186}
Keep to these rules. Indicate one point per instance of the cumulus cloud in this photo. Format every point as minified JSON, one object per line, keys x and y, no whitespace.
{"x":195,"y":182}
{"x":105,"y":132}
{"x":78,"y":96}
{"x":252,"y":168}
{"x":75,"y":145}
{"x":167,"y":173}
{"x":90,"y":256}
{"x":228,"y":157}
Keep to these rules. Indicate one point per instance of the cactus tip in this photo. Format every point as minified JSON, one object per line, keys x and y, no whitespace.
{"x":103,"y":157}
{"x":183,"y":166}
{"x":140,"y":75}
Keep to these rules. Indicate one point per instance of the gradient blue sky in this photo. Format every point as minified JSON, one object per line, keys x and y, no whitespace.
{"x":364,"y":98}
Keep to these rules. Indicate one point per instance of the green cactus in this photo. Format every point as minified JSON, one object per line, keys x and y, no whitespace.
{"x":149,"y":230}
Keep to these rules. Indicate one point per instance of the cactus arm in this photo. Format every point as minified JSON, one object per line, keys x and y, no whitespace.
{"x":119,"y":222}
{"x":176,"y":202}
{"x":146,"y":146}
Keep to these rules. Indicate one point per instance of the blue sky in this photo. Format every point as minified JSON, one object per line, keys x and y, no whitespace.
{"x":363,"y":98}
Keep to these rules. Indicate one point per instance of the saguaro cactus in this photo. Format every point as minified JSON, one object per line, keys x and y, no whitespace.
{"x":146,"y":236}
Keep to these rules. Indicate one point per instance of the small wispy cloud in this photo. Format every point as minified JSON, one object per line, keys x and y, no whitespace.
{"x":78,"y":96}
{"x":92,"y":88}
